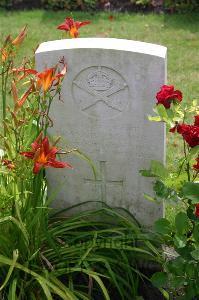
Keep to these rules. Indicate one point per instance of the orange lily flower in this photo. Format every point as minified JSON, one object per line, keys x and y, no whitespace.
{"x":19,"y":39}
{"x":72,"y":26}
{"x":48,"y":78}
{"x":19,"y":102}
{"x":44,"y":80}
{"x":44,"y":155}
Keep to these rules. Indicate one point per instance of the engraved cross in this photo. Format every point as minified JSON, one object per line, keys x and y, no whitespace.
{"x":104,"y":181}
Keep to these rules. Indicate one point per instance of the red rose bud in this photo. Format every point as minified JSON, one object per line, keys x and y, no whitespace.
{"x":167,"y":95}
{"x":197,"y":210}
{"x":196,"y":123}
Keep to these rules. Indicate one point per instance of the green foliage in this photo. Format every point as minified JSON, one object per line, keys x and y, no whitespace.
{"x":157,"y":169}
{"x":182,"y":223}
{"x":57,"y":255}
{"x":181,"y":5}
{"x":180,"y":185}
{"x":16,"y":4}
{"x":91,"y":3}
{"x":191,"y":191}
{"x":69,"y":4}
{"x":182,"y":271}
{"x":168,"y":5}
{"x":60,"y":4}
{"x":141,"y":2}
{"x":183,"y":236}
{"x":50,"y":4}
{"x":162,"y":226}
{"x":5,"y":3}
{"x":159,"y":279}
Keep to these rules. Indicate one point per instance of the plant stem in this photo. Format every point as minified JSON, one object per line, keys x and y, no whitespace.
{"x":5,"y":73}
{"x":3,"y":100}
{"x":187,"y":163}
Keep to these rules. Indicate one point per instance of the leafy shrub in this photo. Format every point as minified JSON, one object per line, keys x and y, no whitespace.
{"x":69,"y":4}
{"x":141,"y":2}
{"x":6,"y":3}
{"x":168,"y":5}
{"x":179,"y":185}
{"x":181,"y":5}
{"x":20,"y":4}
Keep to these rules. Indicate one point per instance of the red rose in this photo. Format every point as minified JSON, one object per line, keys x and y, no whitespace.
{"x":196,"y":166}
{"x":190,"y":134}
{"x":167,"y":94}
{"x":196,"y":123}
{"x":183,"y":128}
{"x":197,"y":210}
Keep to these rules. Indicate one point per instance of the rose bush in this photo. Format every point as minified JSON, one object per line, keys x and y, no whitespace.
{"x":178,"y":186}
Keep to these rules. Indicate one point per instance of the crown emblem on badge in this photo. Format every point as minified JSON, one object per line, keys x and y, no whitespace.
{"x":99,"y":80}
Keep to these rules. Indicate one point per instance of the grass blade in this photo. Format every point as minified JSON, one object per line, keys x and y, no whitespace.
{"x":12,"y":266}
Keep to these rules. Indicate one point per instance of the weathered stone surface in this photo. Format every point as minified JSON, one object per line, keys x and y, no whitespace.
{"x":106,"y":97}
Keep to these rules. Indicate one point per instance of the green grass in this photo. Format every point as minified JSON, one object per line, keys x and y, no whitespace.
{"x":179,"y":33}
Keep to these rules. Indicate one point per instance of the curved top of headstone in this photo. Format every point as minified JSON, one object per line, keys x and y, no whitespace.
{"x":104,"y":43}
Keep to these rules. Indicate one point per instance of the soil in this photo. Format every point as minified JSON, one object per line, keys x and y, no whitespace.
{"x":147,"y":290}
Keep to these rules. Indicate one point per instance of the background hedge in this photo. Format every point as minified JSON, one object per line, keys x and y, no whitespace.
{"x":119,"y":5}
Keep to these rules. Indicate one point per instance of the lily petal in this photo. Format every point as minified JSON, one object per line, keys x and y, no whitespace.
{"x":28,"y":154}
{"x":21,"y":101}
{"x":37,"y":168}
{"x":59,"y":164}
{"x":19,"y":39}
{"x":80,"y":24}
{"x":35,"y":145}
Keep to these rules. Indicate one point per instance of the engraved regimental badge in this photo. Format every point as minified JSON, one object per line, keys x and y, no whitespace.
{"x":100,"y":92}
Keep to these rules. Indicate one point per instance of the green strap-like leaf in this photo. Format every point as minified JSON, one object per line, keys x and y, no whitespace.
{"x":12,"y":290}
{"x":65,"y":295}
{"x":12,"y":266}
{"x":45,"y":289}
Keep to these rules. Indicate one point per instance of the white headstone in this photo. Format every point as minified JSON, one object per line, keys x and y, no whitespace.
{"x":106,"y":98}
